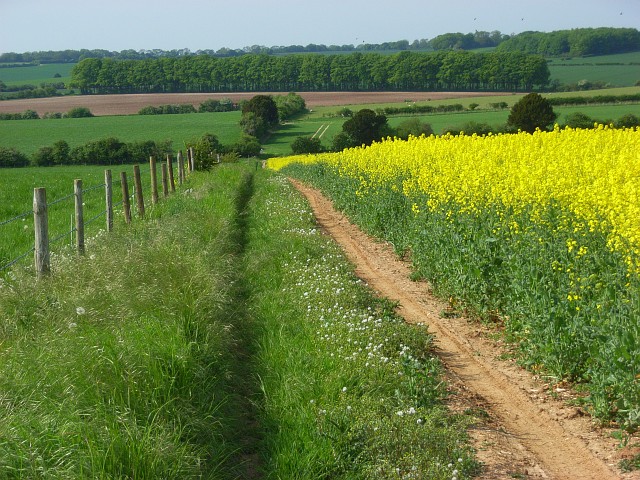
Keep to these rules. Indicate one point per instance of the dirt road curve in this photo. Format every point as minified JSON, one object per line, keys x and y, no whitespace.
{"x":529,"y":434}
{"x":132,"y":103}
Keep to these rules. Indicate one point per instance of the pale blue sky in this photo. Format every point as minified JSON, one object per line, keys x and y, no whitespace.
{"x":30,"y":25}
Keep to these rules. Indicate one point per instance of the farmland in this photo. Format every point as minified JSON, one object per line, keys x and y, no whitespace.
{"x":542,"y":239}
{"x":244,"y":359}
{"x":470,"y":249}
{"x":116,"y":121}
{"x":29,"y":135}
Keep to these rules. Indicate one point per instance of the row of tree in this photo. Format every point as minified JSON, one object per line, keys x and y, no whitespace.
{"x":576,"y":43}
{"x":452,"y":70}
{"x":478,"y":39}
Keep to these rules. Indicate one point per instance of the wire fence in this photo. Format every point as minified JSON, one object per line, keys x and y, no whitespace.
{"x":40,"y":247}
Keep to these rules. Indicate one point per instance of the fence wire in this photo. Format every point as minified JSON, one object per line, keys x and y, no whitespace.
{"x":17,"y":217}
{"x":58,"y":238}
{"x":16,"y":260}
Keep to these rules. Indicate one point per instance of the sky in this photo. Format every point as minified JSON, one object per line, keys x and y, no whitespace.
{"x":115,"y":25}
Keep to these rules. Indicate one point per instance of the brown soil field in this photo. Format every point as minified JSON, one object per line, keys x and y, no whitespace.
{"x":132,"y":103}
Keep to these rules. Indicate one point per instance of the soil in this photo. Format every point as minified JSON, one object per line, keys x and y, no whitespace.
{"x":527,"y":426}
{"x":132,"y":103}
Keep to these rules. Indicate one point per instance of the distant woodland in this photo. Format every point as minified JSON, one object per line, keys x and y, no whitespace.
{"x":576,"y":42}
{"x":452,"y":70}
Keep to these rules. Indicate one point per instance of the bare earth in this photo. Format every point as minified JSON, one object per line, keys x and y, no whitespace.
{"x":131,"y":104}
{"x":531,"y":431}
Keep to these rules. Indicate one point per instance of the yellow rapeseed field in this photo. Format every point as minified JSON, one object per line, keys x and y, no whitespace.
{"x":593,"y":174}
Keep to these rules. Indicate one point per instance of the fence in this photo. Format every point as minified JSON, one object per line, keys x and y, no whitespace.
{"x":42,"y":240}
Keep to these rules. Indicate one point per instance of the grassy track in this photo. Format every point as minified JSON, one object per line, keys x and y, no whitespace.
{"x":223,"y":338}
{"x":28,"y":136}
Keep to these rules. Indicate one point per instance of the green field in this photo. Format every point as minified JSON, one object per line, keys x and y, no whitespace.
{"x":321,"y":117}
{"x":28,"y":136}
{"x":35,"y":75}
{"x":621,"y":70}
{"x":16,"y":199}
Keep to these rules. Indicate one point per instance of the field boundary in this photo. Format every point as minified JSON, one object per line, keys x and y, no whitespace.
{"x":42,"y":240}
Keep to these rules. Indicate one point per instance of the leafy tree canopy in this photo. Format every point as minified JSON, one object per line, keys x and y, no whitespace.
{"x":366,"y":126}
{"x":530,"y":112}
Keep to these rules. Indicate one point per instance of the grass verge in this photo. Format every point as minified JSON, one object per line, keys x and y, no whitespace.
{"x":349,"y":389}
{"x":121,"y":364}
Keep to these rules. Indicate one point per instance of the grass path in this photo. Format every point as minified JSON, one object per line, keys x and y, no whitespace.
{"x":224,"y":337}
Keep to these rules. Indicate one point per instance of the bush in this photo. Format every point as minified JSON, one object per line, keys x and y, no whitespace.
{"x":167,"y":109}
{"x":247,"y":146}
{"x":289,"y":105}
{"x":413,"y":126}
{"x":629,"y":120}
{"x":10,"y":157}
{"x":222,"y":105}
{"x":205,"y":151}
{"x":26,"y":115}
{"x":302,"y":145}
{"x":79,"y":112}
{"x":579,"y":120}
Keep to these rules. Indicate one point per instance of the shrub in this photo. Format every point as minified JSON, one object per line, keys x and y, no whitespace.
{"x":629,"y":120}
{"x":222,"y":105}
{"x":10,"y":157}
{"x":247,"y":146}
{"x":413,"y":126}
{"x":579,"y":120}
{"x":302,"y":145}
{"x":79,"y":112}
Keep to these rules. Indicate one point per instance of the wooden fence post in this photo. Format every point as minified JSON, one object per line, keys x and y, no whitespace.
{"x":126,"y":204}
{"x":180,"y":167}
{"x":191,"y":160}
{"x":165,"y":181}
{"x":77,"y":193}
{"x":108,"y":199}
{"x":41,"y":227}
{"x":172,"y":183}
{"x":137,"y":181}
{"x":154,"y":180}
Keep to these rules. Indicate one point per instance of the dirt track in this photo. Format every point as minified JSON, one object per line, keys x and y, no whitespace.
{"x":131,"y":104}
{"x":530,"y":432}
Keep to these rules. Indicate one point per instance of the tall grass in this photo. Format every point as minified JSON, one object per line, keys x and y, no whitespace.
{"x":119,"y":365}
{"x":16,"y":199}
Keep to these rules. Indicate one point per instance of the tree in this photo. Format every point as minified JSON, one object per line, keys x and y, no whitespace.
{"x":205,"y":151}
{"x":247,"y":146}
{"x":264,"y":107}
{"x":413,"y":126}
{"x":253,"y":125}
{"x":342,"y":140}
{"x":366,"y":126}
{"x":303,"y":145}
{"x":531,"y":112}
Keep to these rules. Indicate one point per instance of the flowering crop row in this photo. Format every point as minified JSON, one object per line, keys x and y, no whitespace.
{"x":540,"y":230}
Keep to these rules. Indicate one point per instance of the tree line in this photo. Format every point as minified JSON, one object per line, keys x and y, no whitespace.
{"x":478,"y":39}
{"x":576,"y":43}
{"x":447,"y":70}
